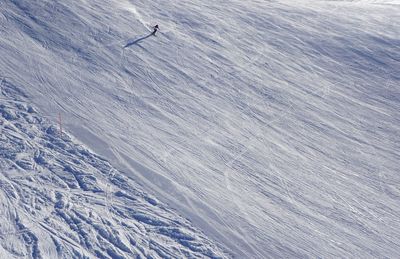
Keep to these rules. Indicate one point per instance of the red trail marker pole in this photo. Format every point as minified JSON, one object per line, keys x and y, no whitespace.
{"x":60,"y":123}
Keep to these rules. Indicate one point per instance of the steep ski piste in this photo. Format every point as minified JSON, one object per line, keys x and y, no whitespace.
{"x":270,"y":128}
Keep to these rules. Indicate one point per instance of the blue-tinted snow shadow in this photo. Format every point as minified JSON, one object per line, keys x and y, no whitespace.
{"x":137,"y":40}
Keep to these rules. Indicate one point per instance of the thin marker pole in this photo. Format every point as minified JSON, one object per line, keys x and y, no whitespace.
{"x":60,"y":123}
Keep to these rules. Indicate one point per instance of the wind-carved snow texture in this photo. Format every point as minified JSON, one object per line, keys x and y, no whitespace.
{"x":273,"y":126}
{"x":59,"y":200}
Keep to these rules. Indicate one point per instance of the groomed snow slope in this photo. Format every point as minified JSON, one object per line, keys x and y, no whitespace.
{"x":59,"y":200}
{"x":272,"y":126}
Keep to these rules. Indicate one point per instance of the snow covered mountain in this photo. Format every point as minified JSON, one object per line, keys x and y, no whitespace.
{"x":271,"y":127}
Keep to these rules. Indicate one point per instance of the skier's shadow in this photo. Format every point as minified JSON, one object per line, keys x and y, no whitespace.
{"x":136,"y":41}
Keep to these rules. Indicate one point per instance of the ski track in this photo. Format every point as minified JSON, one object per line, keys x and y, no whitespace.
{"x":60,"y":200}
{"x":272,"y":126}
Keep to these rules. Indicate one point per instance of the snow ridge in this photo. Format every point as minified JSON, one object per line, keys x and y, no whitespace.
{"x":60,"y":200}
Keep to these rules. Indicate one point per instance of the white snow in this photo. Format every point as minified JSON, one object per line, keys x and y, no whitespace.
{"x":273,"y":126}
{"x":59,"y":200}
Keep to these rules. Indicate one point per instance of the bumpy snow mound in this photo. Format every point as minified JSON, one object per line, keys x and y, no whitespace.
{"x":60,"y":200}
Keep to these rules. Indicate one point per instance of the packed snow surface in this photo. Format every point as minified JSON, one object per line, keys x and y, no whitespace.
{"x":59,"y":200}
{"x":272,"y":126}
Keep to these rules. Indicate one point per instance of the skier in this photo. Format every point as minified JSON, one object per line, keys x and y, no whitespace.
{"x":155,"y":29}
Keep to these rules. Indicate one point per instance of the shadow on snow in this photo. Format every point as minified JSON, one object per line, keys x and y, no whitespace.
{"x":137,"y":40}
